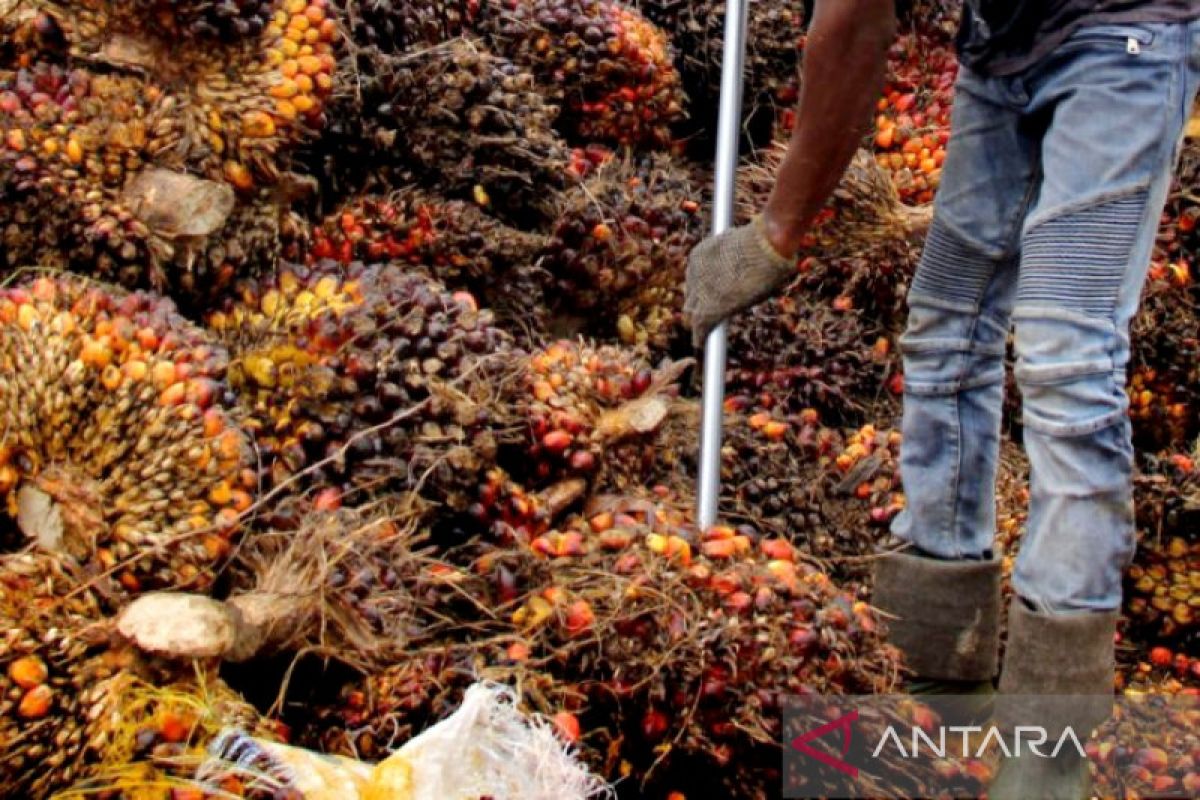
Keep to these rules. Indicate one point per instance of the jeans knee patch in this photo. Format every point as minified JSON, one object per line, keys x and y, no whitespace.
{"x":951,"y":269}
{"x":1079,"y":260}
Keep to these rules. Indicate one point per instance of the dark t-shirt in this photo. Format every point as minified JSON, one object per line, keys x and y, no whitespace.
{"x":1002,"y":37}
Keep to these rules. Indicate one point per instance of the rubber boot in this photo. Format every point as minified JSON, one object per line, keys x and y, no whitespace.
{"x":1058,"y":672}
{"x":945,"y":619}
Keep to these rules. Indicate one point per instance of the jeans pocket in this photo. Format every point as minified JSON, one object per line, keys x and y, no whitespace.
{"x":1131,"y":38}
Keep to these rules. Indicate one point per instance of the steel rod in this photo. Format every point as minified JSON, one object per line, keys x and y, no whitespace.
{"x":728,"y":134}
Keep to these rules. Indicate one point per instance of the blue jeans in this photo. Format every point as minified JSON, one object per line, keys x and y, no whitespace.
{"x":1051,"y":194}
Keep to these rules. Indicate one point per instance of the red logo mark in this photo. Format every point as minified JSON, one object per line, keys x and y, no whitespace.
{"x":844,"y":723}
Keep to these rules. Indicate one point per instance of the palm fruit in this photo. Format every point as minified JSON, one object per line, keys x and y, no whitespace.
{"x":1179,"y":237}
{"x":621,"y":245}
{"x":578,"y":400}
{"x":119,"y":446}
{"x":52,"y":674}
{"x":773,"y":36}
{"x":604,"y":64}
{"x":645,"y":632}
{"x":1164,"y":383}
{"x":454,"y":117}
{"x":364,"y":374}
{"x":402,"y":25}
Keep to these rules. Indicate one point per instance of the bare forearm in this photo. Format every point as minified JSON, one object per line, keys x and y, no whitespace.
{"x":844,"y":64}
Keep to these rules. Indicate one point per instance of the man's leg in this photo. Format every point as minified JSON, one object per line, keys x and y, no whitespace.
{"x":944,"y":591}
{"x":1119,"y":98}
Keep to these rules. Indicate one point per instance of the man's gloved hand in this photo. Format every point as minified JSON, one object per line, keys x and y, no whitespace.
{"x":731,"y":272}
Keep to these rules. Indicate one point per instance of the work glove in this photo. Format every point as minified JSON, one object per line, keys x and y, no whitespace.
{"x":731,"y":272}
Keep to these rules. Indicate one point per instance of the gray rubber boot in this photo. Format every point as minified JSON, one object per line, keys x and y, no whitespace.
{"x":945,"y":619}
{"x":1058,"y":672}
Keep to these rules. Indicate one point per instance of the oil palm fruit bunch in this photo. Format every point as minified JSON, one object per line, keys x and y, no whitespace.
{"x":863,"y":246}
{"x":1149,"y":746}
{"x":454,"y":117}
{"x":1180,"y":233}
{"x":363,"y":375}
{"x":607,"y":67}
{"x":621,"y":242}
{"x":52,"y":674}
{"x":1164,"y":383}
{"x":579,"y":399}
{"x":804,"y":355}
{"x":912,"y":126}
{"x":1163,"y":583}
{"x":460,"y":244}
{"x":120,"y":445}
{"x":773,"y":37}
{"x":626,"y":624}
{"x":222,"y":21}
{"x":398,"y":26}
{"x":72,"y":139}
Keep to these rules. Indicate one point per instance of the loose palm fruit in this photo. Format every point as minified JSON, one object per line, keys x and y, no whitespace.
{"x":117,"y":430}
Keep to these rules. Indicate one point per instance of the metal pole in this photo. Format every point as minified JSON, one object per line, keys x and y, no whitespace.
{"x":728,"y":134}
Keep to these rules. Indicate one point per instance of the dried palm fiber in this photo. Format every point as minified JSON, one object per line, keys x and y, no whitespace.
{"x":120,"y":446}
{"x":455,"y":118}
{"x":696,"y":31}
{"x":398,"y":26}
{"x":799,"y":354}
{"x":577,"y":399}
{"x":366,"y":376}
{"x":1164,"y":382}
{"x":357,"y":586}
{"x":1163,"y":583}
{"x":604,"y":64}
{"x":667,"y":652}
{"x":53,"y":673}
{"x":618,"y":251}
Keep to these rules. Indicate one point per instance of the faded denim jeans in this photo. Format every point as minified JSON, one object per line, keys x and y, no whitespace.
{"x":1045,"y":221}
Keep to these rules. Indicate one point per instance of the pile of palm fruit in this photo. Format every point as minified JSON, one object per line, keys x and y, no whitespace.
{"x":347,"y":336}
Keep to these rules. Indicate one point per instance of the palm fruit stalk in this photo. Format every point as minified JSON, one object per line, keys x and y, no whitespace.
{"x":362,"y":377}
{"x":621,"y":244}
{"x":121,"y":447}
{"x":1164,"y":382}
{"x":402,"y":25}
{"x":578,"y":400}
{"x":455,"y":118}
{"x":52,"y":674}
{"x":645,"y":633}
{"x":607,"y":67}
{"x":772,"y":74}
{"x":1163,"y":583}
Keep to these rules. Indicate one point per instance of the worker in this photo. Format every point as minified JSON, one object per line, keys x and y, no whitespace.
{"x":1067,"y":122}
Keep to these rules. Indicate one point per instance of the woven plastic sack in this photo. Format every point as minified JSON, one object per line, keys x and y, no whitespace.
{"x":487,"y":748}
